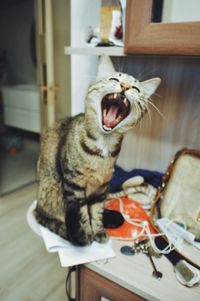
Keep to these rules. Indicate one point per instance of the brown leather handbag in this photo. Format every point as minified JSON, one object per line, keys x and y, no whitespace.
{"x":178,"y":198}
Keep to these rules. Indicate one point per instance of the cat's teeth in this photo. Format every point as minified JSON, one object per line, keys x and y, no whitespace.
{"x":119,"y":118}
{"x":115,"y":95}
{"x":125,"y":101}
{"x":106,"y":128}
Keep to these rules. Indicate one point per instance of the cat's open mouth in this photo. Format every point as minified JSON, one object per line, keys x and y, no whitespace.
{"x":115,"y":107}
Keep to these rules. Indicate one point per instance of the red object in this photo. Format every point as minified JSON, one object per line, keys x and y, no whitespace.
{"x":12,"y":150}
{"x":118,"y":32}
{"x":135,"y":211}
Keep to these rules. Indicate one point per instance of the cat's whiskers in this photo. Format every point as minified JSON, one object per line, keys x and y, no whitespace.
{"x":123,"y":63}
{"x":144,"y":108}
{"x":149,"y":115}
{"x":140,"y":109}
{"x":137,"y":110}
{"x":140,"y":117}
{"x":158,"y":111}
{"x":120,"y":63}
{"x":141,"y":75}
{"x":157,"y":95}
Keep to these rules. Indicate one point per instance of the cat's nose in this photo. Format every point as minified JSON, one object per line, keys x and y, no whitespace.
{"x":124,"y":87}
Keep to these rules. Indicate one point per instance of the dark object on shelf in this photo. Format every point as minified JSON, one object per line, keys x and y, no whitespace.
{"x":174,"y":257}
{"x":112,"y":219}
{"x":127,"y":250}
{"x":105,"y":44}
{"x":11,"y":143}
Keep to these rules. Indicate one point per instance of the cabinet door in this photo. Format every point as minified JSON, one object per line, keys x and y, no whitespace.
{"x":94,"y":287}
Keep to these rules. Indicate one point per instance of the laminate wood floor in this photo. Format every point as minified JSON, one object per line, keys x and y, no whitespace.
{"x":27,"y":271}
{"x":18,"y":170}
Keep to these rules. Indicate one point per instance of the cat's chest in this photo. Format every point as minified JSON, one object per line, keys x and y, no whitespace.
{"x":100,"y":168}
{"x":106,"y":146}
{"x":97,"y":179}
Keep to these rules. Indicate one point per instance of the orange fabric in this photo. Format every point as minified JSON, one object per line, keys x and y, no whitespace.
{"x":134,"y":210}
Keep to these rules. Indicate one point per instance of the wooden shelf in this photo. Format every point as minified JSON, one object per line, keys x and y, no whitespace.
{"x":89,"y":50}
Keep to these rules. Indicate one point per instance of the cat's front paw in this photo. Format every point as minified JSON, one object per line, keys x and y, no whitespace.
{"x":81,"y":238}
{"x":85,"y":239}
{"x":101,"y":236}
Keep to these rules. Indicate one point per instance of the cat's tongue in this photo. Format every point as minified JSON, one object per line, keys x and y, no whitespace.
{"x":109,"y":118}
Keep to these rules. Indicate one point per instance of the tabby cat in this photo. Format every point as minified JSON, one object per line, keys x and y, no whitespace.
{"x":78,"y":155}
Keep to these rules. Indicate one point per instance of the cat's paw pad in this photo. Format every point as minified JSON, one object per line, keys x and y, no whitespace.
{"x":101,"y":237}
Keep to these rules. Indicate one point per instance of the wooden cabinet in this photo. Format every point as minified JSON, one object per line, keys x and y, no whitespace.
{"x":129,"y":278}
{"x":145,"y":37}
{"x":94,"y":287}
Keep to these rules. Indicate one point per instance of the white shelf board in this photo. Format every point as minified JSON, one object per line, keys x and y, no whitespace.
{"x":89,"y":50}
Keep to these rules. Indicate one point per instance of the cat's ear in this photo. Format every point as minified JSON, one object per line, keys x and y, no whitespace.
{"x":148,"y":87}
{"x":105,"y":67}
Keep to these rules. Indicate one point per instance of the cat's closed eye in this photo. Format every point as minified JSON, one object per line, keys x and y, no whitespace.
{"x":113,"y":78}
{"x":136,"y":88}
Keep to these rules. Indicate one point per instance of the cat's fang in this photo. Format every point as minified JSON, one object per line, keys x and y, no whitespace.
{"x":125,"y":101}
{"x":106,"y":128}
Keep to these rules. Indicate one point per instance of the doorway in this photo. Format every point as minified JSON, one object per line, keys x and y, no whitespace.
{"x":24,"y":102}
{"x":20,"y":110}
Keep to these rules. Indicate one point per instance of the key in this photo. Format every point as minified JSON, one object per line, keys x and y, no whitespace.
{"x":155,"y":273}
{"x":141,"y":245}
{"x":153,"y":252}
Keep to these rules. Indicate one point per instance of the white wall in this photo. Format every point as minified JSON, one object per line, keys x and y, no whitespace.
{"x":84,"y":13}
{"x":15,"y":25}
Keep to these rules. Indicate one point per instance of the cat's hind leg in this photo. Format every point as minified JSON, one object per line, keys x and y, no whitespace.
{"x":54,"y":225}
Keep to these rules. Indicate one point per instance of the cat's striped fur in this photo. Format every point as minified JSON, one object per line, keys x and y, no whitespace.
{"x":78,"y":155}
